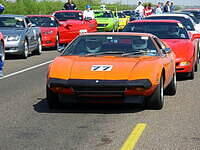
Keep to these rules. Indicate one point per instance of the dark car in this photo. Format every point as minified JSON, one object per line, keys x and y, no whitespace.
{"x":21,"y":38}
{"x":189,"y":14}
{"x":131,"y":14}
{"x":196,"y":12}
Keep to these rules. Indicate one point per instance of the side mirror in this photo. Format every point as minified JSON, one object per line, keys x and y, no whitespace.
{"x":166,"y":50}
{"x":61,"y":49}
{"x":29,"y":25}
{"x":33,"y":25}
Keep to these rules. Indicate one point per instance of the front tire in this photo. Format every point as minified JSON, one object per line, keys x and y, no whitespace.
{"x":26,"y":50}
{"x":171,"y":88}
{"x":196,"y":67}
{"x":57,"y":43}
{"x":52,"y":99}
{"x":38,"y":51}
{"x":2,"y":52}
{"x":156,"y":101}
{"x":190,"y":75}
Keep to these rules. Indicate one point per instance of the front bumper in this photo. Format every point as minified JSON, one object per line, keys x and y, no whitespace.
{"x":49,"y":41}
{"x":184,"y":69}
{"x":14,"y":47}
{"x":102,"y":88}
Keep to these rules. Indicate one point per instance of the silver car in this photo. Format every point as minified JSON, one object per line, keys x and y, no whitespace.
{"x":21,"y":38}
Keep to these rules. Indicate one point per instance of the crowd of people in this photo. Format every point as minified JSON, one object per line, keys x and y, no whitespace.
{"x":144,"y":10}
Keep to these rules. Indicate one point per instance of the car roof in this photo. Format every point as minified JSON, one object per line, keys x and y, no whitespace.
{"x":192,"y":9}
{"x":39,"y":16}
{"x":12,"y":16}
{"x":59,"y":11}
{"x":176,"y":15}
{"x":164,"y":21}
{"x":120,"y":33}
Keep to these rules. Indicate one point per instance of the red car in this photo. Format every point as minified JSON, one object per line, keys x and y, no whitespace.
{"x":50,"y":29}
{"x":74,"y":24}
{"x":174,"y":34}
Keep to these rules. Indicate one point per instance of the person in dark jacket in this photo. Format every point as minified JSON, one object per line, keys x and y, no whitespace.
{"x":166,"y":8}
{"x":70,"y":5}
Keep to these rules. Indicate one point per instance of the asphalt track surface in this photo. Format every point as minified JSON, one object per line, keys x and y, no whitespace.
{"x":26,"y":123}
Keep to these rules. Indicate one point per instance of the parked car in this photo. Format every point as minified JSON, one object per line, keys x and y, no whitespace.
{"x":73,"y":24}
{"x":19,"y":35}
{"x":106,"y":20}
{"x":120,"y":67}
{"x":49,"y":27}
{"x":131,"y":14}
{"x":176,"y":36}
{"x":123,"y":20}
{"x":195,"y":11}
{"x":2,"y":53}
{"x":183,"y":18}
{"x":189,"y":14}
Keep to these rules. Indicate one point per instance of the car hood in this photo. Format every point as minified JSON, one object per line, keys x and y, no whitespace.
{"x":104,"y":20}
{"x":183,"y":48}
{"x":77,"y":67}
{"x":12,"y":31}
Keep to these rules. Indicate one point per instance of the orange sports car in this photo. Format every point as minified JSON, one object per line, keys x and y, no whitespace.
{"x":113,"y":68}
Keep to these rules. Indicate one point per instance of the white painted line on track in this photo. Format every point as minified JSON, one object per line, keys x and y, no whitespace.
{"x":24,"y":70}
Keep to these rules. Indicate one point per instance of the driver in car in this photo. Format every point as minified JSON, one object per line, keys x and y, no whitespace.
{"x":93,"y":46}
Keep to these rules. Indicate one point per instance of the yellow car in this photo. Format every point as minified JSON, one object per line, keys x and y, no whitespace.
{"x":123,"y":20}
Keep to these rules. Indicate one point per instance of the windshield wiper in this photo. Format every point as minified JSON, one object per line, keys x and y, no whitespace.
{"x":104,"y":53}
{"x":138,"y":52}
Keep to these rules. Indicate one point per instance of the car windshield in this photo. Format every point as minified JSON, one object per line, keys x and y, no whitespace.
{"x":43,"y":21}
{"x":161,"y":30}
{"x":121,"y":15}
{"x":103,"y":14}
{"x":13,"y":22}
{"x":63,"y":16}
{"x":185,"y":21}
{"x":90,"y":45}
{"x":129,"y":13}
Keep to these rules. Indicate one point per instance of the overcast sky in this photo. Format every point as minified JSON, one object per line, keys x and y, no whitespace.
{"x":131,"y":2}
{"x":178,"y":2}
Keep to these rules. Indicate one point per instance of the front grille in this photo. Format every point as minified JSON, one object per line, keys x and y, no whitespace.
{"x":102,"y":25}
{"x":102,"y":91}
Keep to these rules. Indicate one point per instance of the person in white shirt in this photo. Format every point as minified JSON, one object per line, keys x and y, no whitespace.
{"x":158,"y":9}
{"x":140,"y":10}
{"x":88,"y":13}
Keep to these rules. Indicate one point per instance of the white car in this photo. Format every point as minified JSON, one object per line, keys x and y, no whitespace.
{"x":186,"y":20}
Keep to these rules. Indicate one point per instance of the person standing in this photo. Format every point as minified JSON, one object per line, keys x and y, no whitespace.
{"x":150,"y":10}
{"x":140,"y":10}
{"x":1,"y":8}
{"x":166,"y":8}
{"x":172,"y":7}
{"x":88,"y":13}
{"x":70,"y":5}
{"x":158,"y":9}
